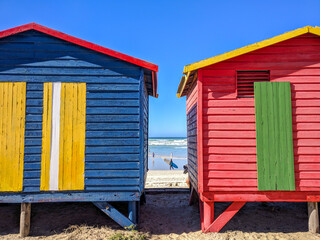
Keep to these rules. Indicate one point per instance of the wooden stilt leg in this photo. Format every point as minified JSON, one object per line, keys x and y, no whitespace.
{"x":192,"y":196}
{"x":138,"y":212}
{"x":313,"y":213}
{"x":225,"y":217}
{"x":143,"y":199}
{"x":25,"y":219}
{"x":132,"y":207}
{"x":201,"y":214}
{"x":114,"y":214}
{"x":208,"y":214}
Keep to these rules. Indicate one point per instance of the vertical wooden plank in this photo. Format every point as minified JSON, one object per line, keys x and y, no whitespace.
{"x":68,"y":138}
{"x":21,"y":114}
{"x":4,"y":160}
{"x":313,"y":213}
{"x":2,"y":119}
{"x":62,"y":135}
{"x":81,"y":131}
{"x":12,"y":110}
{"x":290,"y":180}
{"x":75,"y":140}
{"x":274,"y":136}
{"x":25,"y":216}
{"x":55,"y":132}
{"x":277,"y":130}
{"x":141,"y":136}
{"x":208,"y":214}
{"x":10,"y":142}
{"x":15,"y":133}
{"x":132,"y":210}
{"x":72,"y":136}
{"x":200,"y":132}
{"x":46,"y":136}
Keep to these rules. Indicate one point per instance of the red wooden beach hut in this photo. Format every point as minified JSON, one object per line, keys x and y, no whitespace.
{"x":254,"y":125}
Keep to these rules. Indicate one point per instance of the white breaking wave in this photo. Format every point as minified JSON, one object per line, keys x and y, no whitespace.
{"x":168,"y":142}
{"x":164,"y":156}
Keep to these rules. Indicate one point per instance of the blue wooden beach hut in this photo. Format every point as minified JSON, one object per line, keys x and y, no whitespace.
{"x":74,"y":122}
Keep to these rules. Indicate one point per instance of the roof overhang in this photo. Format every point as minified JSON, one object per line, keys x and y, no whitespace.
{"x":189,"y":69}
{"x":86,"y":44}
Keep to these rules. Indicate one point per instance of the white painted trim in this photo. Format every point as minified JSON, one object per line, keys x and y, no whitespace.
{"x":55,"y":136}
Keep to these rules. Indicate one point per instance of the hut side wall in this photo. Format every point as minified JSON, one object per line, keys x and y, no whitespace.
{"x":229,"y":138}
{"x":112,"y":153}
{"x":145,"y":132}
{"x":192,"y":136}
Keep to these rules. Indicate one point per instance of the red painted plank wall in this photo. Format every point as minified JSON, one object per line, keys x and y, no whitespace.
{"x":229,"y":144}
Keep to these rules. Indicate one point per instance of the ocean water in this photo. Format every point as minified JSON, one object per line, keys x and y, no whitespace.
{"x":162,"y":149}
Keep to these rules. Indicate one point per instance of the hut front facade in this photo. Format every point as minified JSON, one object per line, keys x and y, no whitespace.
{"x":253,"y":120}
{"x":74,"y":121}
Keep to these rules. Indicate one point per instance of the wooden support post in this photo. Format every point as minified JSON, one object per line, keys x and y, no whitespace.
{"x":192,"y":196}
{"x":225,"y":217}
{"x":132,"y":209}
{"x":208,"y":214}
{"x":201,"y":214}
{"x":114,"y":214}
{"x":313,"y":213}
{"x":25,"y":219}
{"x":143,"y":199}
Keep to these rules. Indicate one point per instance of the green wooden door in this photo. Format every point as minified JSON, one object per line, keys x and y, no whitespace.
{"x":275,"y":159}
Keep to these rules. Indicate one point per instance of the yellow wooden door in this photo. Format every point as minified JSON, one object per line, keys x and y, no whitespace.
{"x":63,"y":139}
{"x":12,"y":128}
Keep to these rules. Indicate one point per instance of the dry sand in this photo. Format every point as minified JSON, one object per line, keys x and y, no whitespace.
{"x":164,"y":217}
{"x":166,"y":179}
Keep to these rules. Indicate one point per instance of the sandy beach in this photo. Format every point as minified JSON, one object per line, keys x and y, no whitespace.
{"x":166,"y":179}
{"x":164,"y":216}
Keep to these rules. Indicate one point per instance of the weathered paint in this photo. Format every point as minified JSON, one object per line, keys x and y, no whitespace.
{"x":275,"y":163}
{"x":84,"y":196}
{"x":226,"y":125}
{"x":229,"y":122}
{"x":46,"y":136}
{"x":55,"y":137}
{"x":192,"y":136}
{"x":115,"y":214}
{"x":112,"y":126}
{"x":144,"y":119}
{"x":33,"y":138}
{"x":12,"y":127}
{"x":86,"y":131}
{"x":150,"y":68}
{"x":241,"y":51}
{"x":72,"y":136}
{"x":63,"y":136}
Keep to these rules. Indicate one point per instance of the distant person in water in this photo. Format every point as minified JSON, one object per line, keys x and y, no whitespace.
{"x":153,"y":159}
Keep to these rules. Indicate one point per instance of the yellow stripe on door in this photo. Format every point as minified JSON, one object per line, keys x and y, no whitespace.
{"x":63,"y":151}
{"x":12,"y":128}
{"x":46,"y":136}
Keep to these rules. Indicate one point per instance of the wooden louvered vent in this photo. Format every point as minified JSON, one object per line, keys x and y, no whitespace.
{"x":245,"y":80}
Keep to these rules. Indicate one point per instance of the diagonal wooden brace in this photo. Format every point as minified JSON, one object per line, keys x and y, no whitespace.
{"x":115,"y":215}
{"x":225,"y":217}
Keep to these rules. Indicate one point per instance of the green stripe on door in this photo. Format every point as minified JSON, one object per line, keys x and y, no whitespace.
{"x":274,"y":136}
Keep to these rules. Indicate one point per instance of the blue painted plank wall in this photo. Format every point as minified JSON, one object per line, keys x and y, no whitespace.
{"x":192,"y":146}
{"x":145,"y":131}
{"x":33,"y":136}
{"x":113,"y":114}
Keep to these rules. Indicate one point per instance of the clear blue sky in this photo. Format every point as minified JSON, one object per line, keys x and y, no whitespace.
{"x":169,"y":33}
